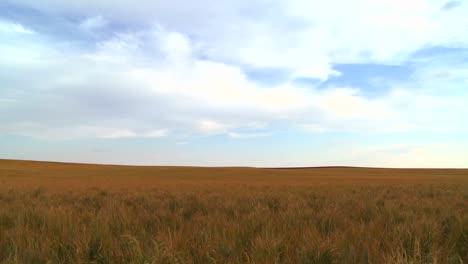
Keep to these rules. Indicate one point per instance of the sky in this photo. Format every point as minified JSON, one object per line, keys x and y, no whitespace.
{"x":235,"y":82}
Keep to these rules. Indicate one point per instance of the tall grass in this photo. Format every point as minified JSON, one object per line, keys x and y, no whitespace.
{"x":237,"y":222}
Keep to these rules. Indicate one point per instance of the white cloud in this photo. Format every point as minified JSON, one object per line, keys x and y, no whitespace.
{"x":92,"y":23}
{"x":382,"y":31}
{"x":183,"y":70}
{"x":124,"y":133}
{"x":119,"y":134}
{"x":175,"y":46}
{"x":211,"y":127}
{"x":448,"y":155}
{"x":8,"y":27}
{"x":346,"y":102}
{"x":192,"y":80}
{"x":171,"y":87}
{"x":248,"y":135}
{"x":304,"y":36}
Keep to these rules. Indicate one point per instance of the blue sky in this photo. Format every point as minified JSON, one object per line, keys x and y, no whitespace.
{"x":255,"y":83}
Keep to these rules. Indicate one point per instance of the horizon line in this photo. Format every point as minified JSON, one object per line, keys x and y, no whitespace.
{"x":252,"y":167}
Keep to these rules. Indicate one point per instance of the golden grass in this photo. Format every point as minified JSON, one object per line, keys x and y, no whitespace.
{"x":75,"y":213}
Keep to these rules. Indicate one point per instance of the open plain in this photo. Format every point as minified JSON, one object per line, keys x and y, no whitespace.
{"x":80,"y":213}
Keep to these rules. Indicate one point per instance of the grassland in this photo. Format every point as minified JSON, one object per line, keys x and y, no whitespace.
{"x":72,"y":213}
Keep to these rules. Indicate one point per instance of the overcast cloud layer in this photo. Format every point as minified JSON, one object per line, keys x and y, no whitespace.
{"x":262,"y":83}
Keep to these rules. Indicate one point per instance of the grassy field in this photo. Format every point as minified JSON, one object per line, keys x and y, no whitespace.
{"x":72,"y":213}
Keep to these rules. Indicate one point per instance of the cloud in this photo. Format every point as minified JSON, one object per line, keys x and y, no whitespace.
{"x":136,"y":92}
{"x":248,"y":135}
{"x":434,"y":155}
{"x":306,"y":37}
{"x":211,"y":127}
{"x":129,"y":133}
{"x":176,"y":46}
{"x":92,"y":23}
{"x":8,"y":27}
{"x":451,"y":5}
{"x":162,"y":71}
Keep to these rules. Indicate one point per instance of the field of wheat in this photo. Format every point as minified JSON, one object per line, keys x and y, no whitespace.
{"x":72,"y":213}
